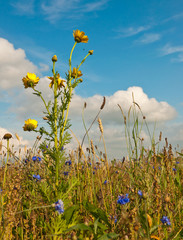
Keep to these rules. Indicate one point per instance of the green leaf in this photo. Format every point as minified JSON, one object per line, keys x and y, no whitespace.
{"x":69,"y":212}
{"x":153,"y":228}
{"x":108,"y":236}
{"x":96,"y":226}
{"x":97,"y":212}
{"x":80,"y":226}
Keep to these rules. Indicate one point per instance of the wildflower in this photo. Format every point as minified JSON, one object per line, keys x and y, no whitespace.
{"x":30,"y":80}
{"x":68,"y":162}
{"x":79,"y":36}
{"x":177,"y":162}
{"x":37,"y":177}
{"x":59,"y":206}
{"x":60,"y":82}
{"x":105,"y":182}
{"x":140,"y":193}
{"x":34,"y":158}
{"x":30,"y":125}
{"x":7,"y":136}
{"x":165,"y":220}
{"x":62,"y":148}
{"x":174,"y":169}
{"x":26,"y":160}
{"x":123,"y":199}
{"x":90,"y":52}
{"x":76,"y":73}
{"x":54,"y":58}
{"x":66,"y":173}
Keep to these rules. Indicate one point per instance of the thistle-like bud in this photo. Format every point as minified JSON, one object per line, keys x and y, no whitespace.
{"x":54,"y":58}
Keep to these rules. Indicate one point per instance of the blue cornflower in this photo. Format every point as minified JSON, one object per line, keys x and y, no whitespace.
{"x":177,"y":162}
{"x":66,"y":173}
{"x":105,"y":182}
{"x":59,"y":206}
{"x":39,"y":159}
{"x":123,"y":199}
{"x":95,"y":168}
{"x":68,"y":162}
{"x":140,"y":193}
{"x":174,"y":169}
{"x":26,"y":160}
{"x":34,"y":158}
{"x":165,"y":220}
{"x":93,"y":172}
{"x":37,"y":177}
{"x":62,"y":148}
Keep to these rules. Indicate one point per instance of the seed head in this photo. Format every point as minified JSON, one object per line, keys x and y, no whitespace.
{"x":7,"y":136}
{"x":100,"y":125}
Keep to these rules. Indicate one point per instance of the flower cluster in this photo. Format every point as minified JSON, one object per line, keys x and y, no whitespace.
{"x":35,"y":158}
{"x":165,"y":220}
{"x":59,"y":206}
{"x":123,"y":199}
{"x":68,"y":162}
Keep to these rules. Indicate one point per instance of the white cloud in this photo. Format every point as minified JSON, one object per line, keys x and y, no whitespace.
{"x":174,"y":17}
{"x":13,"y":65}
{"x":24,"y":7}
{"x":168,"y":49}
{"x":149,"y":38}
{"x":57,"y":9}
{"x":151,"y":108}
{"x":131,"y":31}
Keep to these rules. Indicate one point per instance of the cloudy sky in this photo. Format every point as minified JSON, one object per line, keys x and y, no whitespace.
{"x":138,"y":49}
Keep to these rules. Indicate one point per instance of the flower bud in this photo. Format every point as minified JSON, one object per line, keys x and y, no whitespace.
{"x":54,"y":58}
{"x":90,"y":52}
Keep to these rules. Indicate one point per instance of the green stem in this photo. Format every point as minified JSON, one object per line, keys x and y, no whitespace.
{"x":70,"y":90}
{"x":42,"y":100}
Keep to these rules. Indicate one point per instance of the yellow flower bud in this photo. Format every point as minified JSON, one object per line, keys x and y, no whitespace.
{"x":90,"y":52}
{"x":54,"y":58}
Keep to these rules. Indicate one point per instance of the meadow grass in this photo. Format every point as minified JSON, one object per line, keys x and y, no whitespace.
{"x":47,"y":193}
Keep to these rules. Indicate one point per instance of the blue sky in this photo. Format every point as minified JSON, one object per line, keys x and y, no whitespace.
{"x":138,"y":47}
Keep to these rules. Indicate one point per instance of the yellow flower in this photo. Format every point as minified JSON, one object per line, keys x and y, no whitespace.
{"x":80,"y":36}
{"x":75,"y":73}
{"x":60,"y":82}
{"x":30,"y":124}
{"x":30,"y":80}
